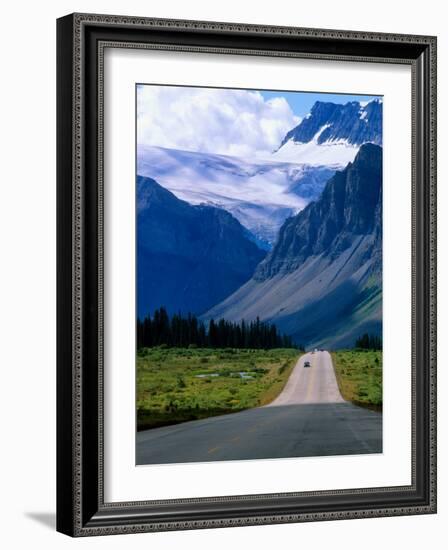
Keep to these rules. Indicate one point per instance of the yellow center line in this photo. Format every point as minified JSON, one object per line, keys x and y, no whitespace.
{"x":212,"y":450}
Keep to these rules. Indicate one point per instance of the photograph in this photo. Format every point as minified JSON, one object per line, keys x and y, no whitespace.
{"x":259,"y":274}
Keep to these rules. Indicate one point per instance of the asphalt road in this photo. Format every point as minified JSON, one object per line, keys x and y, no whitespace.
{"x":309,"y":418}
{"x":315,"y":384}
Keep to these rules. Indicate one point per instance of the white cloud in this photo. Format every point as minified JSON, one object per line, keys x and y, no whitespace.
{"x":229,"y":122}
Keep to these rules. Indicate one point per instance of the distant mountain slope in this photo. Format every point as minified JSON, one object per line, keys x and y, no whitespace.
{"x":322,"y":282}
{"x":188,"y":257}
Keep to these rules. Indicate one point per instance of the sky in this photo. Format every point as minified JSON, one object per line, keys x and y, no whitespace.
{"x":241,"y":123}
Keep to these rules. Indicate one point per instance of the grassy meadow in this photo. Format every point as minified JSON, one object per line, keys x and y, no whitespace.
{"x":179,"y":384}
{"x":360,"y":376}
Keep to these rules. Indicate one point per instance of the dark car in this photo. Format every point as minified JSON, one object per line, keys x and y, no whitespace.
{"x":307,"y":364}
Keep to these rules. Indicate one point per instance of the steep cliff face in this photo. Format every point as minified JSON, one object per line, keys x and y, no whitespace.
{"x":321,"y":283}
{"x":350,"y":205}
{"x":188,"y":257}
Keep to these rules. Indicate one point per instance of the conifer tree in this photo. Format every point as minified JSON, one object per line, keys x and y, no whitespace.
{"x":184,"y":331}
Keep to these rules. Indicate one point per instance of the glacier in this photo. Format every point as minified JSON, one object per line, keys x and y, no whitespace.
{"x":259,"y":193}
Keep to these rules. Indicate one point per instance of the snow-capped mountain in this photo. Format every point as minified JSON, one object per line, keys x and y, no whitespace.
{"x":260,"y":194}
{"x":332,"y":133}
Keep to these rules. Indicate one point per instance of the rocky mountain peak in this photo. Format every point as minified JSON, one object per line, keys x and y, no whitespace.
{"x":353,"y":123}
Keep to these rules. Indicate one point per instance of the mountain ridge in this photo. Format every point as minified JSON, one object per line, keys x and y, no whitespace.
{"x":329,"y":122}
{"x":322,"y":281}
{"x":347,"y":209}
{"x":189,"y":257}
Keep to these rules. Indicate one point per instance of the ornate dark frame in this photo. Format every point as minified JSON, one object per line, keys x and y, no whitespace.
{"x":81,"y":39}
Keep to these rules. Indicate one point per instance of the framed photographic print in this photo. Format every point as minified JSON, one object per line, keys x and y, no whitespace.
{"x":246,"y":274}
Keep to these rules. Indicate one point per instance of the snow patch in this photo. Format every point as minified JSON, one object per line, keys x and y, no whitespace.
{"x":319,"y":132}
{"x":337,"y":153}
{"x":375,"y":100}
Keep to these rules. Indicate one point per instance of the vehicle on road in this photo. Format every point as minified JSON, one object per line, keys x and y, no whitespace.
{"x":307,"y":364}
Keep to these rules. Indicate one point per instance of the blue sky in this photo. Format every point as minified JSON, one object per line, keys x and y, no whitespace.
{"x":302,"y":102}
